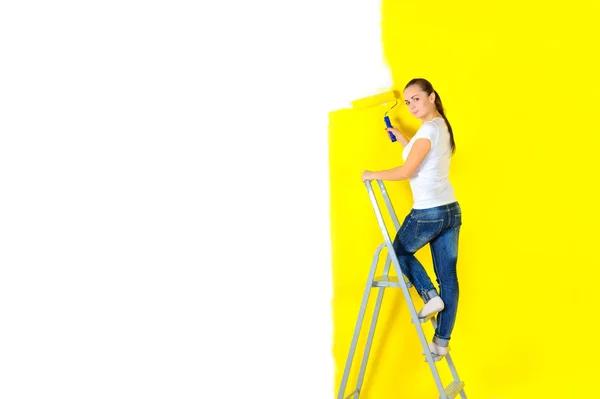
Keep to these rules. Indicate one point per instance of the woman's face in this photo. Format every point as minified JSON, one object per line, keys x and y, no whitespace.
{"x":418,"y":102}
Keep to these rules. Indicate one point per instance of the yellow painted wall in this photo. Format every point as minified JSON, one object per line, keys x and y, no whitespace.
{"x":521,"y":90}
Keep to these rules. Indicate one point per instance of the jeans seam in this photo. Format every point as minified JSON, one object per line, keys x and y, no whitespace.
{"x":425,"y":214}
{"x":457,"y":218}
{"x":441,"y":314}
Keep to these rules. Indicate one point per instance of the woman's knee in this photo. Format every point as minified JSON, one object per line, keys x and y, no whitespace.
{"x":400,"y":248}
{"x":447,"y":282}
{"x":447,"y":277}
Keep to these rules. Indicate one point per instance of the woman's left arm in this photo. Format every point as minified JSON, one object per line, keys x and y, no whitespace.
{"x":417,"y":154}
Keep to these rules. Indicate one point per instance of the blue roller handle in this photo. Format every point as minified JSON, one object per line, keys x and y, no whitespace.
{"x":389,"y":124}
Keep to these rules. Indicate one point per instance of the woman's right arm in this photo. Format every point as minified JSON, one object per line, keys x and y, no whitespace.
{"x":398,"y":135}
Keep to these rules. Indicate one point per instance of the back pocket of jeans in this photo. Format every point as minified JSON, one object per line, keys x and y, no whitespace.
{"x":428,"y":229}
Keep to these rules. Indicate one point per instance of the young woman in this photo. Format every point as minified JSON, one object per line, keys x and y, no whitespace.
{"x":435,"y":217}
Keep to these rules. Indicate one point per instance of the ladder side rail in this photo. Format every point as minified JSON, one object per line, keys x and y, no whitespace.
{"x":453,"y":371}
{"x":390,"y":208}
{"x":365,"y":360}
{"x":389,"y":205}
{"x":357,"y":328}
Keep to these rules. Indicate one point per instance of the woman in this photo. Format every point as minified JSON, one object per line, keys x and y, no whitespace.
{"x":435,"y":217}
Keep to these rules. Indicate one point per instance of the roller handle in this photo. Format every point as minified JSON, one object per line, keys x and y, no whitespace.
{"x":389,"y":124}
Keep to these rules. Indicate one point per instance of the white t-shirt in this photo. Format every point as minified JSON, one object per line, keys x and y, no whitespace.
{"x":430,"y":184}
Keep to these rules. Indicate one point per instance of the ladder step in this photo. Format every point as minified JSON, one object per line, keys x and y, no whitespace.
{"x":352,"y":395}
{"x":389,"y":281}
{"x":436,"y":358}
{"x":454,"y":389}
{"x":426,"y":319}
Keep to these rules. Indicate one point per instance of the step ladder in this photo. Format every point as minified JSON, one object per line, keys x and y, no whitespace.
{"x":386,"y":281}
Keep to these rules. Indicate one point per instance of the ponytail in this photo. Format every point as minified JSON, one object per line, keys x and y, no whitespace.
{"x":440,"y":108}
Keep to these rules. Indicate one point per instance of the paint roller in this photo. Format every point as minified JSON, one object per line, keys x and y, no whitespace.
{"x":377,"y":99}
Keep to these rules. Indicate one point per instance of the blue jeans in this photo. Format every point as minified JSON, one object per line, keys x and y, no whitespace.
{"x":439,"y":227}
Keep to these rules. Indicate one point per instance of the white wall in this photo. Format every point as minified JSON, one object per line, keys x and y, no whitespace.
{"x":164,"y":212}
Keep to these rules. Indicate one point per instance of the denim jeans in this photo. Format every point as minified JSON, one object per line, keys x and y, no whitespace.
{"x":439,"y":227}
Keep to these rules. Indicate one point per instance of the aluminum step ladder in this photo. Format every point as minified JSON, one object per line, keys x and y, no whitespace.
{"x":386,"y":281}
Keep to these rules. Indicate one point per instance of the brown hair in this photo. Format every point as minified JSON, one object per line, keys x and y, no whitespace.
{"x":428,"y":88}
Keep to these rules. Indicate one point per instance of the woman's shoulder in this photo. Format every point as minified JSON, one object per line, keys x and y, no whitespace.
{"x":435,"y":123}
{"x":428,"y":129}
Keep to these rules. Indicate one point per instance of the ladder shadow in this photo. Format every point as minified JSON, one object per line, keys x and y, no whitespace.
{"x":394,"y":312}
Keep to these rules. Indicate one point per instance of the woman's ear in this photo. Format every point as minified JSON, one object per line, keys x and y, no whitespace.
{"x":432,"y":98}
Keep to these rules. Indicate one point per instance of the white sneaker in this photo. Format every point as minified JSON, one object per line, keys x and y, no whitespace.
{"x":434,"y":305}
{"x":437,"y":350}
